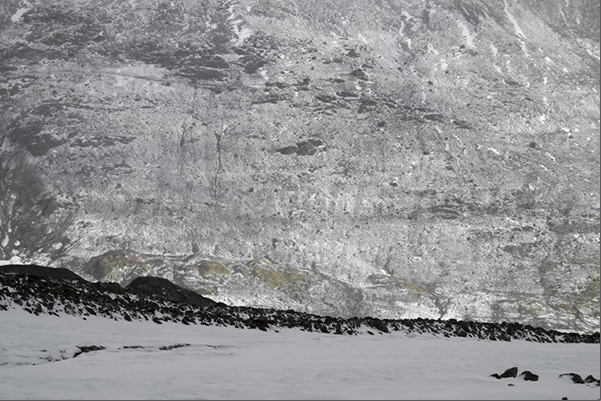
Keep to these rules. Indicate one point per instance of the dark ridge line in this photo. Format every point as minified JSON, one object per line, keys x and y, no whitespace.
{"x":39,"y":289}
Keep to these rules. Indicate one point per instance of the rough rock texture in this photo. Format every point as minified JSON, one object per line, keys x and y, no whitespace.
{"x":529,"y":376}
{"x":159,"y":286}
{"x":375,"y":157}
{"x":39,"y":291}
{"x":44,"y":272}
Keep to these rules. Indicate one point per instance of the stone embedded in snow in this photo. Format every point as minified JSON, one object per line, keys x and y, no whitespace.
{"x":591,"y":379}
{"x":576,"y":378}
{"x":529,"y":376}
{"x":511,"y":372}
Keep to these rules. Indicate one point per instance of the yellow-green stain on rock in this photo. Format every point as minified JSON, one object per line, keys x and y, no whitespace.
{"x":209,"y":267}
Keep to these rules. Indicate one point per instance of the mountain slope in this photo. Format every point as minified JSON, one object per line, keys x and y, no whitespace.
{"x":386,"y":158}
{"x":41,"y":290}
{"x":84,"y":340}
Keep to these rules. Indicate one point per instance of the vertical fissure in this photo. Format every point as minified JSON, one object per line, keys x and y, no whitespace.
{"x":219,"y":138}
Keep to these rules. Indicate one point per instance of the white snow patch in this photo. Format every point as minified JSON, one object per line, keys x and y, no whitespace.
{"x":16,"y":17}
{"x":14,"y":260}
{"x":431,"y":49}
{"x":228,"y":363}
{"x":467,"y":35}
{"x":514,"y":22}
{"x":444,"y":65}
{"x":242,"y":34}
{"x":407,"y":15}
{"x":495,"y":151}
{"x":518,"y":31}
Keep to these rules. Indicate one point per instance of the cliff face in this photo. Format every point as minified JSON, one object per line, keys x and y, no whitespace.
{"x":387,"y":158}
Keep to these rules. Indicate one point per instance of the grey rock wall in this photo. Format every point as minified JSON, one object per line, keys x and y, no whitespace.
{"x":386,"y":158}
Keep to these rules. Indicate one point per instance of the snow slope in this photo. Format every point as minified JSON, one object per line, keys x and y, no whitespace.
{"x":36,"y":361}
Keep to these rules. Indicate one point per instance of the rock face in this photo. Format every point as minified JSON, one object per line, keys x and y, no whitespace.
{"x":386,"y":158}
{"x":40,"y":291}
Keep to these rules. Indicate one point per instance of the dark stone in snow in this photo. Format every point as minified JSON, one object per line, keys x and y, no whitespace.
{"x":87,"y":348}
{"x":576,"y":378}
{"x":529,"y":376}
{"x":513,"y":372}
{"x":175,"y":346}
{"x":591,"y":379}
{"x":288,"y":150}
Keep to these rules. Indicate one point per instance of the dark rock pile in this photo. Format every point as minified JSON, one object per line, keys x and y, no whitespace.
{"x":527,"y":375}
{"x":513,"y":372}
{"x":156,"y":286}
{"x":509,"y":373}
{"x":577,"y":379}
{"x":46,"y":290}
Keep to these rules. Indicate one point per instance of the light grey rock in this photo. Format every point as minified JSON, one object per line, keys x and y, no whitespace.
{"x":386,"y":158}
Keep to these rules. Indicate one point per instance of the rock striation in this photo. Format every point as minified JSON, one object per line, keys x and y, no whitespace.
{"x":397,"y":159}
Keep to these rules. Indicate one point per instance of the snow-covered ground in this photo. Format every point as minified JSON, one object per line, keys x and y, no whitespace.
{"x":229,"y":363}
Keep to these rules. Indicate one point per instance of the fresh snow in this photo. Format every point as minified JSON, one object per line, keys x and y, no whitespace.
{"x":36,"y":362}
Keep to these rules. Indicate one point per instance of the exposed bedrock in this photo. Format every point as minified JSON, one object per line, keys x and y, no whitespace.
{"x":387,"y":158}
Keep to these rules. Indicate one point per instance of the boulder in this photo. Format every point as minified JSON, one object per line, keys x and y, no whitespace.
{"x":512,"y":372}
{"x":591,"y":379}
{"x":576,"y":378}
{"x":156,"y":286}
{"x":529,"y":376}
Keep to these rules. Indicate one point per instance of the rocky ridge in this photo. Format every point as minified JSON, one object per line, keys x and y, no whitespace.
{"x":39,"y":289}
{"x":383,"y":158}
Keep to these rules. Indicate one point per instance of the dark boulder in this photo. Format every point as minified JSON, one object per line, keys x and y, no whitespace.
{"x":591,"y":379}
{"x":156,"y":286}
{"x":360,"y":74}
{"x":288,"y":150}
{"x":529,"y":376}
{"x":512,"y":372}
{"x":88,"y":348}
{"x":576,"y":378}
{"x":172,"y":347}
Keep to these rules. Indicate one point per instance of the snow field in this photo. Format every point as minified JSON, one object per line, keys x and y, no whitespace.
{"x":229,"y":363}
